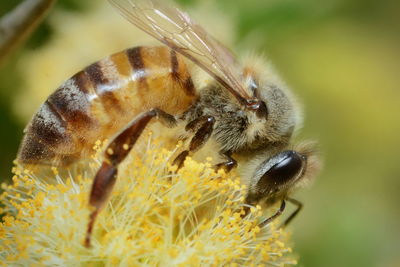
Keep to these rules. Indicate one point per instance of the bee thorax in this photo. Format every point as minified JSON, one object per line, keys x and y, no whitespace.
{"x":236,"y":129}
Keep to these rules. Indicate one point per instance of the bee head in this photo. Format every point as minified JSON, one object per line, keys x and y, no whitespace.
{"x":277,"y":176}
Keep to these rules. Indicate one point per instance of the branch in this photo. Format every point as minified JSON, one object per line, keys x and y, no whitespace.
{"x":16,"y":26}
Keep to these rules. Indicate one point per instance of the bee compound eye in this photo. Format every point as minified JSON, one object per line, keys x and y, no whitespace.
{"x":285,"y":166}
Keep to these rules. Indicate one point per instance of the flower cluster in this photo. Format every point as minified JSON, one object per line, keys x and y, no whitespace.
{"x":156,"y":216}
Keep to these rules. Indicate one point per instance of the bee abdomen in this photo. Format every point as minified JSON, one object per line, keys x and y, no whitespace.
{"x":53,"y":131}
{"x":101,"y":99}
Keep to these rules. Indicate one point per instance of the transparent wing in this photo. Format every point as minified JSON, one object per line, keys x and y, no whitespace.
{"x":178,"y":31}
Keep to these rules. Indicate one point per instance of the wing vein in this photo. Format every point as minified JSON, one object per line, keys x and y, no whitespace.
{"x":177,"y":30}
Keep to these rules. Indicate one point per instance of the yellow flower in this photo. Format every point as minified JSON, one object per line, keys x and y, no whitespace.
{"x":155,"y":217}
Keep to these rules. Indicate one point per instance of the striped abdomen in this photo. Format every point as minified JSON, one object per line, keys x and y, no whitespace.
{"x":98,"y":101}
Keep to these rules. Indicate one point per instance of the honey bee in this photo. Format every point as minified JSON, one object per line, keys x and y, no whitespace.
{"x":249,"y":115}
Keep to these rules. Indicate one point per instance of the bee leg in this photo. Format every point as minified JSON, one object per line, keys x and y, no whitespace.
{"x":298,"y":209}
{"x":203,"y":127}
{"x":229,"y":164}
{"x":273,"y":217}
{"x":101,"y":188}
{"x":115,"y":153}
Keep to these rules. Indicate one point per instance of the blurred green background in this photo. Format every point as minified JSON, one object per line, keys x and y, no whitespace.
{"x":342,"y":58}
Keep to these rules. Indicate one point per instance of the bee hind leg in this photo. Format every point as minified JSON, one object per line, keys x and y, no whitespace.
{"x":115,"y":153}
{"x":203,"y":128}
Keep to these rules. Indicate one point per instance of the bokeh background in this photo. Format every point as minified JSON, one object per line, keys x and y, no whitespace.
{"x":341,"y":57}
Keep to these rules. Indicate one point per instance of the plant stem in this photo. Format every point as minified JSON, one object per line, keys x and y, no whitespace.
{"x":18,"y":24}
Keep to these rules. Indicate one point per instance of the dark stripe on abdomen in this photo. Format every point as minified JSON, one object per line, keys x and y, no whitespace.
{"x":188,"y":86}
{"x":136,"y":61}
{"x":100,"y":84}
{"x":33,"y":151}
{"x":183,"y":79}
{"x":95,"y":74}
{"x":46,"y":131}
{"x":71,"y":102}
{"x":48,"y":126}
{"x":174,"y":66}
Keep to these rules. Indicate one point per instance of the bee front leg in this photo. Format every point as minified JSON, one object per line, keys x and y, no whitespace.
{"x":273,"y":217}
{"x":203,"y":127}
{"x":280,"y":211}
{"x":298,"y":209}
{"x":115,"y":153}
{"x":227,"y":165}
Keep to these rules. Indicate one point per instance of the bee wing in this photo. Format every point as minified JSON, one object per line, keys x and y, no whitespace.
{"x":178,"y":31}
